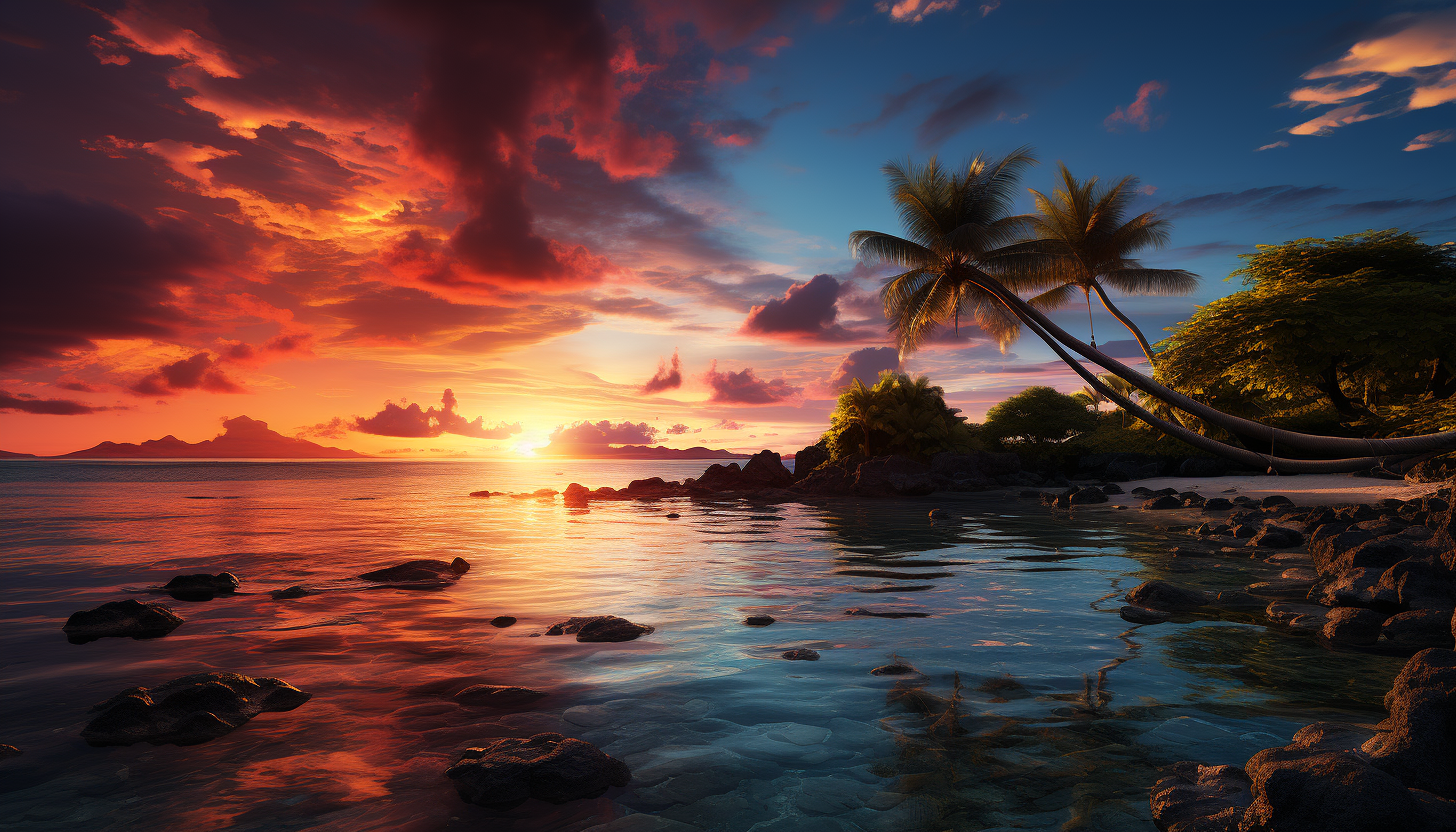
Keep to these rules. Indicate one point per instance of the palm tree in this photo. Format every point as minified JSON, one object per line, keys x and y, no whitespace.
{"x":958,"y":229}
{"x":1084,"y":224}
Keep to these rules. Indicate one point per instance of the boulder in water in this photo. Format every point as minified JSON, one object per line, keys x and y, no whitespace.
{"x":1418,"y":742}
{"x":801,"y":654}
{"x":1163,"y":503}
{"x":419,"y":573}
{"x":895,"y":669}
{"x":507,"y":772}
{"x":1161,"y":595}
{"x":121,"y":619}
{"x":758,"y":620}
{"x":201,"y":587}
{"x":291,"y":593}
{"x":597,"y":628}
{"x":1134,"y":614}
{"x":189,"y":710}
{"x":498,"y":696}
{"x":765,"y":469}
{"x":503,"y":621}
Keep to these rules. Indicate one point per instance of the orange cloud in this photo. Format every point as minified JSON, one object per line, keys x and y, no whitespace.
{"x":1139,"y":112}
{"x":914,"y":11}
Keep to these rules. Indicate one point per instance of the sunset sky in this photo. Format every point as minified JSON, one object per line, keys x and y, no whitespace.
{"x":318,"y":214}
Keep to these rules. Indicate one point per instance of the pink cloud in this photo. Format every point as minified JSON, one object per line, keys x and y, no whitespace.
{"x":1138,"y":113}
{"x":914,"y":11}
{"x":665,"y":378}
{"x":744,"y":387}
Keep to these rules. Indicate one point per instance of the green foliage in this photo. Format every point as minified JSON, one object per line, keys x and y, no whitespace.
{"x":1351,"y":323}
{"x":898,"y":415}
{"x":1038,"y":415}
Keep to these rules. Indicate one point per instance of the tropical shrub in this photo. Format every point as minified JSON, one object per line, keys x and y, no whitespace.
{"x":1038,"y":416}
{"x":897,"y":415}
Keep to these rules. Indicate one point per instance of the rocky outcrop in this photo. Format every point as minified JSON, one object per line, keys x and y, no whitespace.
{"x":596,"y":628}
{"x":1161,"y":595}
{"x":809,"y":459}
{"x":201,"y":587}
{"x":189,"y":710}
{"x":507,"y":772}
{"x":892,"y":476}
{"x":765,"y":469}
{"x":1334,"y":777}
{"x":827,"y":480}
{"x":121,"y":619}
{"x":419,"y":574}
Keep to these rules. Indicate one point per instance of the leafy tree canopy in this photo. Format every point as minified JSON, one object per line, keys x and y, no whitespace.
{"x":1038,"y":415}
{"x":1351,"y":322}
{"x":898,"y":415}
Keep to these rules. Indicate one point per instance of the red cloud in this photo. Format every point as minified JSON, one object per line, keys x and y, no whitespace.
{"x":394,"y":420}
{"x":1138,"y":112}
{"x":199,"y":371}
{"x":47,"y":407}
{"x":743,"y":387}
{"x":664,"y":378}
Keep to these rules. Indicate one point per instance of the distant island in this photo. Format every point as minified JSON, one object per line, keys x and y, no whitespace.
{"x":637,"y":452}
{"x":242,"y":438}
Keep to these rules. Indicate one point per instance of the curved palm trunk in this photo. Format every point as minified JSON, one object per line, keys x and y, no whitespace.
{"x":1126,"y":321}
{"x":1327,"y":445}
{"x":1091,"y":330}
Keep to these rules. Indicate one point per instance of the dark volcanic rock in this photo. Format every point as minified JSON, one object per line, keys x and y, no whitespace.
{"x":1417,"y":585}
{"x":1275,"y":500}
{"x":291,"y":593}
{"x":1112,"y":488}
{"x":8,"y":751}
{"x":1291,"y":588}
{"x":121,"y":619}
{"x":1306,"y":617}
{"x":1213,"y":504}
{"x":498,"y":696}
{"x":873,"y":614}
{"x":1350,"y":588}
{"x":896,"y":669}
{"x":1196,"y":798}
{"x":653,"y":487}
{"x":549,"y":767}
{"x":1277,"y":537}
{"x":1161,"y":595}
{"x":891,"y":476}
{"x":719,"y":477}
{"x":801,"y":654}
{"x":189,"y":710}
{"x":599,"y":628}
{"x":1086,"y":496}
{"x":1419,"y":629}
{"x":1167,"y":501}
{"x":758,"y":620}
{"x":826,"y":481}
{"x":806,"y":460}
{"x":1352,"y":625}
{"x":419,"y":572}
{"x":1298,"y":791}
{"x":503,"y":621}
{"x":1143,"y":615}
{"x":201,"y":587}
{"x":1417,"y":743}
{"x":765,"y":469}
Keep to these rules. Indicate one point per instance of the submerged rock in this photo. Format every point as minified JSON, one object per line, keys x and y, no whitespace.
{"x":1197,"y":798}
{"x":290,"y":593}
{"x":417,"y":572}
{"x":758,"y":620}
{"x":201,"y":587}
{"x":121,"y":619}
{"x":550,"y":767}
{"x":873,"y":614}
{"x":896,"y":669}
{"x":1161,"y":595}
{"x":498,"y":696}
{"x":594,"y":628}
{"x":189,"y":710}
{"x":1142,"y":615}
{"x":801,"y":654}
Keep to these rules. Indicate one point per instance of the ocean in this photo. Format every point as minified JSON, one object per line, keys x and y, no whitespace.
{"x":1034,"y":706}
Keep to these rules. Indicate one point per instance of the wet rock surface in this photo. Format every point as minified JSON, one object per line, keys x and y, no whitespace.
{"x":201,"y":587}
{"x":502,"y":621}
{"x":507,"y":772}
{"x":121,"y":619}
{"x":189,"y":710}
{"x":1161,"y":595}
{"x":595,"y":628}
{"x":758,"y":620}
{"x":422,"y":573}
{"x":1135,"y":614}
{"x":801,"y":654}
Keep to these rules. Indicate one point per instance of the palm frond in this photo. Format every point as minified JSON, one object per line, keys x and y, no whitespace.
{"x":1152,"y":281}
{"x":1057,"y":298}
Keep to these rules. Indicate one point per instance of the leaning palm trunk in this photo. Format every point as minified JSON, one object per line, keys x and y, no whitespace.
{"x":1376,"y":449}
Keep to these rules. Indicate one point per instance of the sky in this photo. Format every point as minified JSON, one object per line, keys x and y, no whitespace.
{"x":433,"y":228}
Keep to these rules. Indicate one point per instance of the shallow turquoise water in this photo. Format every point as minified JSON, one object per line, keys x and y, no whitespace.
{"x":719,"y":731}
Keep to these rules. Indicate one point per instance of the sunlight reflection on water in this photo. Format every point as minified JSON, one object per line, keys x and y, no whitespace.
{"x":721,"y":732}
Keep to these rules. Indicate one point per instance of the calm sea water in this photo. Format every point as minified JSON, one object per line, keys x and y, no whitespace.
{"x":1006,"y":725}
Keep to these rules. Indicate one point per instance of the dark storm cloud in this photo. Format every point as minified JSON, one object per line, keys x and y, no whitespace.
{"x":200,"y":372}
{"x":745,"y":387}
{"x":76,"y":271}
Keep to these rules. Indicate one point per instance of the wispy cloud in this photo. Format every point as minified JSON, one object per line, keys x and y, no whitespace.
{"x":1431,"y":139}
{"x":1139,"y":113}
{"x":914,"y":11}
{"x":1272,"y":145}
